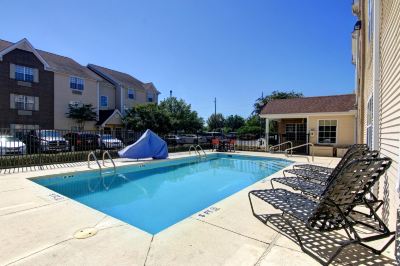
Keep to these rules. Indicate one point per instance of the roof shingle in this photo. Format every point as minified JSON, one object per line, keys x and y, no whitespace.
{"x":319,"y":104}
{"x":60,"y":63}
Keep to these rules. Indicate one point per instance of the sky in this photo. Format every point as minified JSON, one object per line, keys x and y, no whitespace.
{"x":233,"y":50}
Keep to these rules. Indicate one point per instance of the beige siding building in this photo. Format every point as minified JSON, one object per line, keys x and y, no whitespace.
{"x":376,"y":55}
{"x":64,"y":95}
{"x":125,"y":93}
{"x":327,"y":122}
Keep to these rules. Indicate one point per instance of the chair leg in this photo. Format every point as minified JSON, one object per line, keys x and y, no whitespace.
{"x":314,"y":256}
{"x":379,"y":251}
{"x":343,"y":244}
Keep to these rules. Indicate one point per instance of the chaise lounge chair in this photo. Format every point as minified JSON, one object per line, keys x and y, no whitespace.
{"x":334,"y":210}
{"x":316,"y":185}
{"x":356,"y":148}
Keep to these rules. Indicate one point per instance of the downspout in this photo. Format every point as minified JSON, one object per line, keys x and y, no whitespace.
{"x":98,"y":100}
{"x":376,"y":75}
{"x":266,"y":134}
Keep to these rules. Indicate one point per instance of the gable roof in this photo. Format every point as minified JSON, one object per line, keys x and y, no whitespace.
{"x":105,"y":115}
{"x":319,"y":104}
{"x":120,"y":78}
{"x":150,"y":86}
{"x":56,"y":63}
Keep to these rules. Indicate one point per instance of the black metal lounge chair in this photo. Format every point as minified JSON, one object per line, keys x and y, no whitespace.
{"x":314,"y":184}
{"x":322,"y":177}
{"x":334,"y":210}
{"x":328,"y":170}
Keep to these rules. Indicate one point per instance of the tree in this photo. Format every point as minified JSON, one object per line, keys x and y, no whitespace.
{"x":216,"y":122}
{"x":182,"y":117}
{"x":234,"y":122}
{"x":81,"y":114}
{"x":147,"y":116}
{"x":262,"y":101}
{"x":253,"y":125}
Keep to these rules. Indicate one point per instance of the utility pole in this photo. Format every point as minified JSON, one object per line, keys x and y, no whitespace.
{"x":215,"y":106}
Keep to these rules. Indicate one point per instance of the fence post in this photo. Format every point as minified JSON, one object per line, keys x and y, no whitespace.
{"x":40,"y":148}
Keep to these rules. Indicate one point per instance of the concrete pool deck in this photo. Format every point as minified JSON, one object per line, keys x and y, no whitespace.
{"x":37,"y":227}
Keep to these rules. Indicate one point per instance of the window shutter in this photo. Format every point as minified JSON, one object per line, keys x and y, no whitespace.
{"x":36,"y":75}
{"x":12,"y":71}
{"x":12,"y":101}
{"x":36,"y":103}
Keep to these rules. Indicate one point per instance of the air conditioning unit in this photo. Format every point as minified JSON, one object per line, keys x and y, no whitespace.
{"x":75,"y":103}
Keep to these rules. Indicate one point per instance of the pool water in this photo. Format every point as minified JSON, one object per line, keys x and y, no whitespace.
{"x":157,"y":195}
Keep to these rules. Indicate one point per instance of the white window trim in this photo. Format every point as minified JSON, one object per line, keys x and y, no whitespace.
{"x":371,"y":124}
{"x":104,"y":106}
{"x":337,"y":130}
{"x":76,"y":77}
{"x":152,"y":96}
{"x":25,"y":102}
{"x":25,"y":72}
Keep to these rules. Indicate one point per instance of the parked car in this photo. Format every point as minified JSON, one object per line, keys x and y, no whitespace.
{"x":81,"y":141}
{"x":212,"y":135}
{"x":10,"y":145}
{"x":45,"y":141}
{"x":231,"y":135}
{"x":192,"y":139}
{"x":172,"y":139}
{"x":130,"y":137}
{"x":107,"y":141}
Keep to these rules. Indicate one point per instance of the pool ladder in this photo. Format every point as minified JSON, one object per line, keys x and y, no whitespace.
{"x":106,"y":153}
{"x":198,"y":149}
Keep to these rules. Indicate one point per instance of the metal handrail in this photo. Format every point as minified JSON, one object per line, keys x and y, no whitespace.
{"x":97,"y":161}
{"x":280,"y":144}
{"x":201,"y":149}
{"x":195,"y":150}
{"x":109,"y":157}
{"x":299,"y":146}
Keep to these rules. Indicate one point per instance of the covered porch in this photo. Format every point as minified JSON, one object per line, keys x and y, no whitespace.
{"x":288,"y":131}
{"x":327,"y":134}
{"x":324,"y":125}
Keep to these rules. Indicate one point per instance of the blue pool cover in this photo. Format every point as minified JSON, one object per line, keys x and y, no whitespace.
{"x":149,"y":145}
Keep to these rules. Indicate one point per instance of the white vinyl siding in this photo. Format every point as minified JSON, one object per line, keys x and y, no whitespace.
{"x":389,"y":126}
{"x":389,"y":104}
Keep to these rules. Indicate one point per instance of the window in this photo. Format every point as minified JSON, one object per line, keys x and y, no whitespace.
{"x":150,"y":96}
{"x":76,"y":83}
{"x":131,"y":94}
{"x":295,"y":131}
{"x":23,"y":73}
{"x":103,"y":101}
{"x":327,"y":131}
{"x":370,"y":120}
{"x":23,"y":102}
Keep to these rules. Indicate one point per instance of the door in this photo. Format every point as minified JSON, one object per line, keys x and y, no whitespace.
{"x":297,"y":134}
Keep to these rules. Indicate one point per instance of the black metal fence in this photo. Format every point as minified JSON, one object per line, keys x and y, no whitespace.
{"x":25,"y":148}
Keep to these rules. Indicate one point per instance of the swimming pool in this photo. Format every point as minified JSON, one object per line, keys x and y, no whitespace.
{"x":157,"y":195}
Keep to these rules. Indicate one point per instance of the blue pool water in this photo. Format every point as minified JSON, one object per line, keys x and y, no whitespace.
{"x":157,"y":195}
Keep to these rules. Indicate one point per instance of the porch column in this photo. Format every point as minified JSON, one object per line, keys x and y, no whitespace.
{"x":266,"y":134}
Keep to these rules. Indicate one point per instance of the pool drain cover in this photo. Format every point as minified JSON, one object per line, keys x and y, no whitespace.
{"x":85,"y":233}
